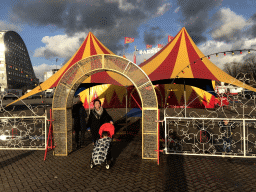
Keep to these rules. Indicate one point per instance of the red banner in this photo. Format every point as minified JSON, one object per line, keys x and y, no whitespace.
{"x":170,"y":38}
{"x":128,"y":40}
{"x":148,"y":46}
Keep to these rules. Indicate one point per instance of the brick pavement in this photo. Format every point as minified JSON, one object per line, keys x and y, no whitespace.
{"x":26,"y":171}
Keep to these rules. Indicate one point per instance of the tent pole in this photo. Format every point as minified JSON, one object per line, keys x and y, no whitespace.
{"x":126,"y":108}
{"x":185,"y":98}
{"x":89,"y":101}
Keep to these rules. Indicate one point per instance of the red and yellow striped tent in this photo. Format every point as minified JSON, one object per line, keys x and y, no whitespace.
{"x":172,"y":61}
{"x":90,"y":46}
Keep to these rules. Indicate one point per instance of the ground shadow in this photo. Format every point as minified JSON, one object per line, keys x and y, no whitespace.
{"x":174,"y":173}
{"x":14,"y":159}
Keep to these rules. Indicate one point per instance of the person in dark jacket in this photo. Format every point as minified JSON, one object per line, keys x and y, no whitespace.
{"x":79,"y":115}
{"x":227,"y":127}
{"x":98,"y":117}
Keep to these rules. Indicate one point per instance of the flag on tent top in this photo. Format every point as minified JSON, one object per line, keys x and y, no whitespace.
{"x":134,"y":58}
{"x":170,"y":38}
{"x":128,"y":40}
{"x":160,"y":45}
{"x":148,"y":46}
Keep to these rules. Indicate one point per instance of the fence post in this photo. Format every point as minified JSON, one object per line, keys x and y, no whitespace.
{"x":244,"y":136}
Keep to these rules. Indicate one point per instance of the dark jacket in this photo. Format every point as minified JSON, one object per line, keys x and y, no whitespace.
{"x":79,"y":115}
{"x":95,"y":123}
{"x":227,"y":129}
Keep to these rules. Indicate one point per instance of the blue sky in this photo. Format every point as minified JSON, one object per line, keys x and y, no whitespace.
{"x":55,"y":28}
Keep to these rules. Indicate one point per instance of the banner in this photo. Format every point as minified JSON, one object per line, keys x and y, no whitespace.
{"x":160,"y":45}
{"x":148,"y":46}
{"x":128,"y":40}
{"x":170,"y":38}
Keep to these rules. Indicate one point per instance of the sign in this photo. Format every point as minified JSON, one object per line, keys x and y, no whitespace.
{"x":150,"y":51}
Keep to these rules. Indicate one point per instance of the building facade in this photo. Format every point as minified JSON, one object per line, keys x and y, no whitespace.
{"x":48,"y":74}
{"x":16,"y":71}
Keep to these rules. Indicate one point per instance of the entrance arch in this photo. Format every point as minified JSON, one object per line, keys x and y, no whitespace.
{"x":63,"y":100}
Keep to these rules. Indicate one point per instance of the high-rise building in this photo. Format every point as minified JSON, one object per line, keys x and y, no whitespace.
{"x":16,"y":71}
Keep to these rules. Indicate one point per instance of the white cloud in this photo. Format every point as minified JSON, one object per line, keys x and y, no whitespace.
{"x":211,"y":47}
{"x":62,"y":46}
{"x":8,"y":26}
{"x":228,"y":26}
{"x":41,"y":69}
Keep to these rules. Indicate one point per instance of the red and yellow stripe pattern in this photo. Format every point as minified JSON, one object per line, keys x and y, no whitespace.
{"x":172,"y":61}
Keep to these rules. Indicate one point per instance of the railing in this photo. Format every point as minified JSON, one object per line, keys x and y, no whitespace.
{"x":210,"y":136}
{"x":26,"y":132}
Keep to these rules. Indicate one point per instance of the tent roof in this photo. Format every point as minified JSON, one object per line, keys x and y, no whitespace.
{"x":174,"y":58}
{"x":90,"y":46}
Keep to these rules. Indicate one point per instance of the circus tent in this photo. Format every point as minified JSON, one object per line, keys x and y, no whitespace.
{"x":180,"y":59}
{"x":90,"y":46}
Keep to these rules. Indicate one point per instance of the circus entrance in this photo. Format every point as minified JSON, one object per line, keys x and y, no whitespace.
{"x":78,"y":73}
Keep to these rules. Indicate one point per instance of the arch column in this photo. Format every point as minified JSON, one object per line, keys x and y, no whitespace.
{"x":75,"y":75}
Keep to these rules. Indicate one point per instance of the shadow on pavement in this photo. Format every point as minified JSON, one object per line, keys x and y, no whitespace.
{"x":14,"y":159}
{"x":174,"y":173}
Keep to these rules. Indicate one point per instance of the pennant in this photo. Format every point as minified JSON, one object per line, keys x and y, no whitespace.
{"x":124,"y":56}
{"x":148,"y":46}
{"x":128,"y":40}
{"x":160,"y":45}
{"x":170,"y":38}
{"x":134,"y":58}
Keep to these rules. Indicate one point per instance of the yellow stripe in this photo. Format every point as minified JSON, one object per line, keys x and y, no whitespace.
{"x":110,"y":52}
{"x":154,"y":64}
{"x":182,"y":61}
{"x":87,"y":49}
{"x":119,"y":78}
{"x":217,"y":72}
{"x":96,"y":46}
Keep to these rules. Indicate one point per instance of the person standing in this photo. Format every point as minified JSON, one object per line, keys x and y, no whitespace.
{"x":79,"y":115}
{"x":98,"y":117}
{"x":227,"y":127}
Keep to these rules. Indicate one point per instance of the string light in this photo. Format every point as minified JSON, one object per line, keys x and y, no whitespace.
{"x":217,"y":54}
{"x":202,"y":59}
{"x":233,"y":53}
{"x":209,"y":57}
{"x":182,"y":71}
{"x":194,"y":62}
{"x":241,"y":52}
{"x":249,"y":51}
{"x":225,"y":54}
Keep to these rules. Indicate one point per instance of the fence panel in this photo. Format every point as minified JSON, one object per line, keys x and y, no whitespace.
{"x":210,"y":136}
{"x":26,"y":133}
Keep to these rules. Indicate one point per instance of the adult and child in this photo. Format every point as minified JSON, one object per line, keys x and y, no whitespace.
{"x":97,"y":118}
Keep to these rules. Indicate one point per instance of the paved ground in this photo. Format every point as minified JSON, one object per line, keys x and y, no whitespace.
{"x":27,"y":171}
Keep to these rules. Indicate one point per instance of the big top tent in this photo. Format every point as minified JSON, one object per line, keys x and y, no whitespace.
{"x":90,"y":46}
{"x":181,"y":58}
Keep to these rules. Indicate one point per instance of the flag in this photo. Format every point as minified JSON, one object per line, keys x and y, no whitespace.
{"x":170,"y":38}
{"x":148,"y":46}
{"x":160,"y":45}
{"x":134,"y":58}
{"x":128,"y":40}
{"x":57,"y":60}
{"x":124,"y":56}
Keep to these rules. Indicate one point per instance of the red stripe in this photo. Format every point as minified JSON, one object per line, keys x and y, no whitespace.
{"x":159,"y":52}
{"x":165,"y":69}
{"x":199,"y":69}
{"x":78,"y":57}
{"x":103,"y":77}
{"x":92,"y":48}
{"x":101,"y":47}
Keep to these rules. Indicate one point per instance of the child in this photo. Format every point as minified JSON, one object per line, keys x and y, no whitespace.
{"x":101,"y":150}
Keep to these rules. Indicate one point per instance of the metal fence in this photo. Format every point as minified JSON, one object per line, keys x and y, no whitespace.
{"x":25,"y":133}
{"x":210,"y":136}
